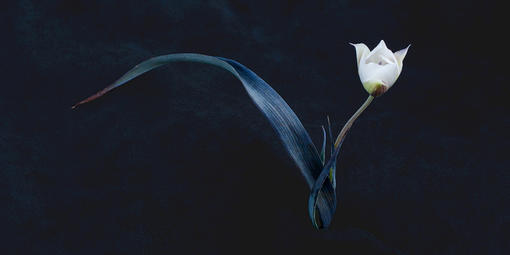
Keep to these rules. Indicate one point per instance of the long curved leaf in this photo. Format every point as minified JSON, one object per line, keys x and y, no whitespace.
{"x":295,"y":138}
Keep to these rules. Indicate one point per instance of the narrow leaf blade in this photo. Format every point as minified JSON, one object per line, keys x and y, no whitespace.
{"x":293,"y":135}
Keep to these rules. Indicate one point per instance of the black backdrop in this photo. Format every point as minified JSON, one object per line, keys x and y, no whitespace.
{"x":181,"y":162}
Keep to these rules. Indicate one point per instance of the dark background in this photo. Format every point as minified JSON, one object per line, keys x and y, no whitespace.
{"x":180,"y":161}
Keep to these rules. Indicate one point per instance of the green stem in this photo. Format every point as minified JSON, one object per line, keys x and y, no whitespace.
{"x":349,"y":123}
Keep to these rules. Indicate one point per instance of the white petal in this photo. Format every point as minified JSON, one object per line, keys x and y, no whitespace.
{"x":381,"y":44}
{"x":388,"y":60}
{"x":385,"y":74}
{"x":361,"y":51}
{"x":400,"y":55}
{"x":379,"y":53}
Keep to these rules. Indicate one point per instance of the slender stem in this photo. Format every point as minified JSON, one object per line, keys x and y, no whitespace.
{"x":349,"y":123}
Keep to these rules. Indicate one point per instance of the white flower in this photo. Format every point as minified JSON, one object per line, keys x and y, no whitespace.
{"x":378,"y":69}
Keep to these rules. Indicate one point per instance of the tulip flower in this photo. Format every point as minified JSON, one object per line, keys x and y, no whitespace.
{"x":378,"y":69}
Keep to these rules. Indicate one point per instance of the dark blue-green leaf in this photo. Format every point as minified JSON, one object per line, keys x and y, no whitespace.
{"x":295,"y":138}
